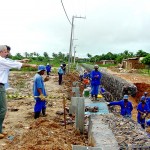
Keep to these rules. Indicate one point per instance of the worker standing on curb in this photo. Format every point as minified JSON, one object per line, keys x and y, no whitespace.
{"x":142,"y":109}
{"x":95,"y":81}
{"x":126,"y":106}
{"x":5,"y":66}
{"x":39,"y":92}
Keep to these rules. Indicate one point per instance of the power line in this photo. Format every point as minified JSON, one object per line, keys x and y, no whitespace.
{"x":65,"y":12}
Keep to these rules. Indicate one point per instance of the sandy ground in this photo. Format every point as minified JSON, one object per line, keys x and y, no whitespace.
{"x":46,"y":133}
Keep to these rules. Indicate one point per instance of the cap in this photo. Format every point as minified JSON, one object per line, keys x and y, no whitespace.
{"x":41,"y":67}
{"x":143,"y":98}
{"x":96,"y":66}
{"x":145,"y":93}
{"x":61,"y":65}
{"x":47,"y":63}
{"x":125,"y":97}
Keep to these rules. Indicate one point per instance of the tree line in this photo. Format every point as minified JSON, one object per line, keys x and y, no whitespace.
{"x":119,"y":57}
{"x":60,"y":57}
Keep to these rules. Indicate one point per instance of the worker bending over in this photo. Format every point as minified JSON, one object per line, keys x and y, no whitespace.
{"x":126,"y":106}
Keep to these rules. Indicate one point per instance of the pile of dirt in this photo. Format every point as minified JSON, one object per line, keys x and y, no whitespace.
{"x":141,"y":81}
{"x":141,"y":88}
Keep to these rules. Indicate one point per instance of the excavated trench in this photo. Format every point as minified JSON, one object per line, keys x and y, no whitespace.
{"x":128,"y":133}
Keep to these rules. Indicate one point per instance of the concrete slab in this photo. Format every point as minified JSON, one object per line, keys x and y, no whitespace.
{"x":79,"y":147}
{"x":100,"y":135}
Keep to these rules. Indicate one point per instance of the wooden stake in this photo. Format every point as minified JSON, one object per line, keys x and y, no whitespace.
{"x":64,"y":105}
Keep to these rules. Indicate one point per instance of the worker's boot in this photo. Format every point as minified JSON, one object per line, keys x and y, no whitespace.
{"x":44,"y":112}
{"x":36,"y":115}
{"x":92,"y":98}
{"x":143,"y":126}
{"x":95,"y":97}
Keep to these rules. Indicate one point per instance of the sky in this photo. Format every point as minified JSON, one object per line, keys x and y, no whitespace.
{"x":100,"y":26}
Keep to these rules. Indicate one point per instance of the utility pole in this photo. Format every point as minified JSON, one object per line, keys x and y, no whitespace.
{"x":72,"y":50}
{"x":74,"y":55}
{"x":71,"y":41}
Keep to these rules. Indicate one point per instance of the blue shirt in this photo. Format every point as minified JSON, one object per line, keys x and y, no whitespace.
{"x":125,"y":109}
{"x":148,"y":102}
{"x":38,"y":83}
{"x":85,"y":75}
{"x":142,"y":109}
{"x":95,"y":80}
{"x":60,"y":70}
{"x":48,"y":68}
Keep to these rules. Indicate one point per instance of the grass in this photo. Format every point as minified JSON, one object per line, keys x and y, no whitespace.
{"x":144,"y":71}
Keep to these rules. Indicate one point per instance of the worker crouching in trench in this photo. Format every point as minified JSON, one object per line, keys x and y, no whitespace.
{"x":126,"y":106}
{"x":143,"y":110}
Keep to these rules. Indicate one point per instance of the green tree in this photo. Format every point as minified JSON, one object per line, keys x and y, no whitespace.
{"x":119,"y":58}
{"x":18,"y":56}
{"x":26,"y":54}
{"x":46,"y":54}
{"x":141,"y":53}
{"x":89,"y":55}
{"x":146,"y":60}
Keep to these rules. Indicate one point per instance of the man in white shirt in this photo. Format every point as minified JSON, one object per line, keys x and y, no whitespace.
{"x":5,"y":66}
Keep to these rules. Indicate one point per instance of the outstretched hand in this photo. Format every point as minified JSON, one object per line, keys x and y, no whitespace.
{"x":46,"y":78}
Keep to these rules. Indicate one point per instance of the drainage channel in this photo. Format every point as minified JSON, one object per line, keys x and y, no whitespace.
{"x":99,"y":133}
{"x":107,"y":131}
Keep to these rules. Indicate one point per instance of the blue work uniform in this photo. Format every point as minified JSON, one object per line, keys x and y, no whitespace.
{"x":48,"y":69}
{"x":148,"y":103}
{"x":60,"y":74}
{"x":95,"y":82}
{"x":85,"y":75}
{"x":125,"y":109}
{"x":39,"y":83}
{"x":142,"y":109}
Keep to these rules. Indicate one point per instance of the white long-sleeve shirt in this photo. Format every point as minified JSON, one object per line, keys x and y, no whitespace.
{"x":5,"y":66}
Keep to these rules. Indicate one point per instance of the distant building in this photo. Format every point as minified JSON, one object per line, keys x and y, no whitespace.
{"x":133,"y":63}
{"x":104,"y":62}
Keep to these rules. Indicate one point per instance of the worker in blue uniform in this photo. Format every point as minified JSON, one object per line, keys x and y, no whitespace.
{"x":48,"y":69}
{"x":126,"y":106}
{"x":147,"y":99}
{"x":95,"y":81}
{"x":143,"y":110}
{"x":39,"y":92}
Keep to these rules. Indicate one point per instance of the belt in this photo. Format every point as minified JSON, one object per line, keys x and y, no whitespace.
{"x":2,"y":84}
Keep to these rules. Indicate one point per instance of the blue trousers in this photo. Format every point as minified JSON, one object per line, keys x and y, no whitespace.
{"x":39,"y":105}
{"x":94,"y":89}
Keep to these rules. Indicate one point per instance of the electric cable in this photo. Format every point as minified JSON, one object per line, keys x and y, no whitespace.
{"x":65,"y":12}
